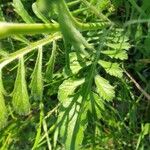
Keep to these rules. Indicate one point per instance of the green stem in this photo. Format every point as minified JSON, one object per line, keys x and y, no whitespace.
{"x":70,"y":4}
{"x":83,"y":26}
{"x":8,"y":29}
{"x":93,"y":26}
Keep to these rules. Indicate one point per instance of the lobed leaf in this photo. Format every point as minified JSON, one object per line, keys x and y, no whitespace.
{"x":67,"y":88}
{"x":118,"y":54}
{"x":75,"y":64}
{"x":119,"y":46}
{"x":111,"y":68}
{"x":105,"y":90}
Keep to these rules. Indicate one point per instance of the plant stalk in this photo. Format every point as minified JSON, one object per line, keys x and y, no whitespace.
{"x":8,"y":29}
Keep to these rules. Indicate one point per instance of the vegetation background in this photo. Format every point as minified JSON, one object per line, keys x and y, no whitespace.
{"x":81,"y":81}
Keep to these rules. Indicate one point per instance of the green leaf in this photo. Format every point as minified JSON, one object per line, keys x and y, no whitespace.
{"x":119,"y":46}
{"x":21,"y":38}
{"x":72,"y":123}
{"x":67,"y":88}
{"x":118,"y":54}
{"x":2,"y":89}
{"x":97,"y":105}
{"x":3,"y":109}
{"x":19,"y":8}
{"x":75,"y":65}
{"x":20,"y":100}
{"x":105,"y":90}
{"x":36,"y":84}
{"x":70,"y":33}
{"x":118,"y":38}
{"x":144,"y":131}
{"x":38,"y":13}
{"x":111,"y":68}
{"x":39,"y":129}
{"x":3,"y":53}
{"x":72,"y":120}
{"x":51,"y":62}
{"x":1,"y":15}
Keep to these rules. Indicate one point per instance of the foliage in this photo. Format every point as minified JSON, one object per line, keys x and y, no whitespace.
{"x":70,"y":90}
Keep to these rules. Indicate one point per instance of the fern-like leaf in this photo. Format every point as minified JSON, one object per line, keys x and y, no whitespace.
{"x":20,"y":99}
